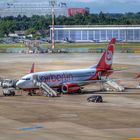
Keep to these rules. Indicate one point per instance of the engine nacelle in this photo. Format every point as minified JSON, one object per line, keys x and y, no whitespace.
{"x":70,"y":88}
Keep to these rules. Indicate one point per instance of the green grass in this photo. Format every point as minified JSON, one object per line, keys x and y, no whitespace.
{"x":75,"y":45}
{"x":128,"y":45}
{"x":92,"y":45}
{"x":5,"y":46}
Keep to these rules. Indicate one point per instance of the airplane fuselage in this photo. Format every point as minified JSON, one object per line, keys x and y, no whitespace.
{"x":57,"y":78}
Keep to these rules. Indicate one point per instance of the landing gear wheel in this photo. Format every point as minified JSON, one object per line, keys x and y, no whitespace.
{"x":30,"y":94}
{"x":79,"y":91}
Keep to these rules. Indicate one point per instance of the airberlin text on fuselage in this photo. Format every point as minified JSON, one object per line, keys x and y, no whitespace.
{"x":56,"y":77}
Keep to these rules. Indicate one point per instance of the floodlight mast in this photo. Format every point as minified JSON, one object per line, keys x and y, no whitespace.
{"x":53,"y":3}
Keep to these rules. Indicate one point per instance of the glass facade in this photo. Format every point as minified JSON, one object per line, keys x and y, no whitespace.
{"x":129,"y":35}
{"x":122,"y":35}
{"x":97,"y":35}
{"x":91,"y":35}
{"x":83,"y":34}
{"x":109,"y":34}
{"x":103,"y":35}
{"x":136,"y":34}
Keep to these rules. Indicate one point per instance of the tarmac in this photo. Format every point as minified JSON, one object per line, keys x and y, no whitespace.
{"x":70,"y":117}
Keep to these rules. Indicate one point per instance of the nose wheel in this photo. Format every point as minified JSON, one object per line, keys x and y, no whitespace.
{"x":32,"y":93}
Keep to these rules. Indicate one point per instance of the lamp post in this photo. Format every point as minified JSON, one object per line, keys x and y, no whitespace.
{"x":52,"y":3}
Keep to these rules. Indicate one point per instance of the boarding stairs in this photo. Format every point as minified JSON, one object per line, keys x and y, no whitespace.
{"x":114,"y":85}
{"x":49,"y":92}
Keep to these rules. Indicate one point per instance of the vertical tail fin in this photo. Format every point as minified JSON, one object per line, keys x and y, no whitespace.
{"x":107,"y":57}
{"x":32,"y":68}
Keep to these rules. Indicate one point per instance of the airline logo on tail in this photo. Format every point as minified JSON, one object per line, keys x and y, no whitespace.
{"x":107,"y":57}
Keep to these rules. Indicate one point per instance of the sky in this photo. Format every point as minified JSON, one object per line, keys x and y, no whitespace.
{"x":107,"y":6}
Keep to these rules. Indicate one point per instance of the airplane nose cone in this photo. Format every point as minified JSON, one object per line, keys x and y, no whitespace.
{"x":20,"y":84}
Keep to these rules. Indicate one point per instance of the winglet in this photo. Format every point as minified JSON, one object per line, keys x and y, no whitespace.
{"x":32,"y":68}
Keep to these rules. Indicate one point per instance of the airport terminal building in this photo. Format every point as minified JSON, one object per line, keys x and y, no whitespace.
{"x":97,"y":33}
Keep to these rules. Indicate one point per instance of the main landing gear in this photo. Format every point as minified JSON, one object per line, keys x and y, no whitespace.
{"x":31,"y":93}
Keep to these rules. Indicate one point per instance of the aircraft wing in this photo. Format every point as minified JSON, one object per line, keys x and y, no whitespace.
{"x":82,"y":83}
{"x":116,"y":70}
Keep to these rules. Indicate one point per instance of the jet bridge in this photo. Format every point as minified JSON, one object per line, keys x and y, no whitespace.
{"x":49,"y":92}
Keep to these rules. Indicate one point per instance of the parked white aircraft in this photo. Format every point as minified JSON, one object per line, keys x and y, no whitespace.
{"x":70,"y":81}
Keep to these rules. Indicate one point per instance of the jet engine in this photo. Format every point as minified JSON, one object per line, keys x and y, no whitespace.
{"x":71,"y":88}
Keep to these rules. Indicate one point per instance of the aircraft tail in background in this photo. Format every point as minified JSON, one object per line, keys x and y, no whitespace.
{"x":32,"y":68}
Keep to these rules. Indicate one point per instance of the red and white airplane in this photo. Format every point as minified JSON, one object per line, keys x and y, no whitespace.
{"x":70,"y":81}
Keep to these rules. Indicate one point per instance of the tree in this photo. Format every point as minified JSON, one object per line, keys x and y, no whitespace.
{"x":7,"y":27}
{"x":35,"y":23}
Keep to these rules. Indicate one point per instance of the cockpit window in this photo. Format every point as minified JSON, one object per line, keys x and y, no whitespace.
{"x":27,"y":79}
